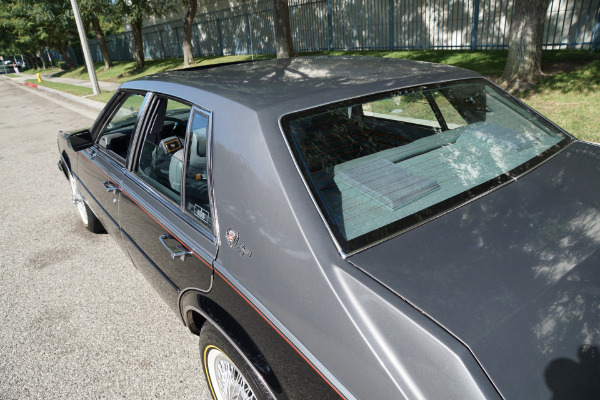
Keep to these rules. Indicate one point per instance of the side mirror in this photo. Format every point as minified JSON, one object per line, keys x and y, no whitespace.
{"x":80,"y":140}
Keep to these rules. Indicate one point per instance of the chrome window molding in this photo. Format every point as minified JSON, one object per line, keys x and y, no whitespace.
{"x":209,"y":167}
{"x":208,"y":115}
{"x":99,"y":127}
{"x":134,"y":154}
{"x":135,"y":147}
{"x":105,"y":114}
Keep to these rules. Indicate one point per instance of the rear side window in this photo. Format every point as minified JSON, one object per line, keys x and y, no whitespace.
{"x":196,"y":171}
{"x":173,"y":156}
{"x":382,"y":164}
{"x":162,"y":150}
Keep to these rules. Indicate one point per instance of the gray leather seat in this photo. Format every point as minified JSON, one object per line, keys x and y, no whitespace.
{"x":197,"y":159}
{"x":196,"y":173}
{"x":175,"y":168}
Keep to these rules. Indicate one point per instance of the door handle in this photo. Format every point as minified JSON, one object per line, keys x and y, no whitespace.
{"x":176,"y":251}
{"x":111,"y":187}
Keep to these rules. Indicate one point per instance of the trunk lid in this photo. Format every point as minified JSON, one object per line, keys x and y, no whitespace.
{"x":515,"y":275}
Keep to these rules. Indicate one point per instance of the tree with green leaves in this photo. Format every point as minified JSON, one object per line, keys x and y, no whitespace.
{"x":8,"y":38}
{"x":91,"y":12}
{"x":55,"y":25}
{"x":37,"y":23}
{"x":134,"y":12}
{"x":17,"y":32}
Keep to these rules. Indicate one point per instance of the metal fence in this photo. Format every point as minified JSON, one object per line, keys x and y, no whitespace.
{"x":363,"y":25}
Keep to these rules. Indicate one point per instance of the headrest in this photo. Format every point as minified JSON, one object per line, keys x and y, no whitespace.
{"x":199,"y":142}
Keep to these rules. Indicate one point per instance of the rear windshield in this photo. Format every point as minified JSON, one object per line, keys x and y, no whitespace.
{"x":379,"y":165}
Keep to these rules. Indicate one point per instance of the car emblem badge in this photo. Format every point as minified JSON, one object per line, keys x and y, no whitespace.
{"x":232,"y":237}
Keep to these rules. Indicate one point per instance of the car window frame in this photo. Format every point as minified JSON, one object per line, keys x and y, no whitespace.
{"x":208,"y":116}
{"x":134,"y":154}
{"x":108,"y":113}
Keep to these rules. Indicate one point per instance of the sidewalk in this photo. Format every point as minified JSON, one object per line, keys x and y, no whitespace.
{"x":108,"y":86}
{"x":92,"y":104}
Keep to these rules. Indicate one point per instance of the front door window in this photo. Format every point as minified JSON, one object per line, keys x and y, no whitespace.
{"x":118,"y":131}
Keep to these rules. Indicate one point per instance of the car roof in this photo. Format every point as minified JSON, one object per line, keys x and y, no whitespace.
{"x":286,"y":85}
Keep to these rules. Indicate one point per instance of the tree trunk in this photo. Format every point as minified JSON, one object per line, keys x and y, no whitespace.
{"x":188,"y":28}
{"x":42,"y":58}
{"x":283,"y":30}
{"x":64,"y":55}
{"x":524,"y":64}
{"x":31,"y":61}
{"x":136,"y":27}
{"x":102,"y":43}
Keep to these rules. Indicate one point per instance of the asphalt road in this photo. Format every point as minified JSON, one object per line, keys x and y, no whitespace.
{"x":77,"y":321}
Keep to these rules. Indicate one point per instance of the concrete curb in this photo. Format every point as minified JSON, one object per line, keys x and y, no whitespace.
{"x":92,"y":104}
{"x":85,"y":107}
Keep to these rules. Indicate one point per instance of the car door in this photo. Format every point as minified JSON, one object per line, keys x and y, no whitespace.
{"x":101,"y":166}
{"x":165,"y":209}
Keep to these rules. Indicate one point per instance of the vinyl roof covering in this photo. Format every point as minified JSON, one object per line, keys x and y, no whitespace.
{"x":286,"y":85}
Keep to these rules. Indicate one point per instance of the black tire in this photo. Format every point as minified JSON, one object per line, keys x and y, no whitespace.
{"x":88,"y":218}
{"x":216,"y":350}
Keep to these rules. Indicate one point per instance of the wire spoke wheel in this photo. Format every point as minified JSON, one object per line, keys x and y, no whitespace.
{"x":89,"y":219}
{"x":227,"y":381}
{"x":77,"y":199}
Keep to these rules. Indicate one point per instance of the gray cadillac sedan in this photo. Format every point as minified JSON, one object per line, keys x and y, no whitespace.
{"x":356,"y":228}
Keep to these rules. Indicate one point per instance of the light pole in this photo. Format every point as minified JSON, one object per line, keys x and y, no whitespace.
{"x":86,"y":49}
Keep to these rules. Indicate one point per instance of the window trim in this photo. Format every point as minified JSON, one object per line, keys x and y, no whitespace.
{"x":141,"y":135}
{"x":108,"y":113}
{"x":208,"y":115}
{"x":134,"y":154}
{"x":135,"y":151}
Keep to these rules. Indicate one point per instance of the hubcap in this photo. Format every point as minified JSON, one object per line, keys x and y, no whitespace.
{"x":78,"y":201}
{"x":226,"y":380}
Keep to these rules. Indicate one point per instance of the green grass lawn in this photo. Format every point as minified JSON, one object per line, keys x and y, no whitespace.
{"x":569,"y":94}
{"x":124,"y":71}
{"x":571,"y":100}
{"x":63,"y":87}
{"x":47,"y":71}
{"x":103,"y":97}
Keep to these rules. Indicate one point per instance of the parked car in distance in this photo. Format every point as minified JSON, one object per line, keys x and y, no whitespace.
{"x":356,"y":228}
{"x":7,"y":67}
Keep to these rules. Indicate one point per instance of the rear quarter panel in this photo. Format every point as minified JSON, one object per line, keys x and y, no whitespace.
{"x":292,"y":277}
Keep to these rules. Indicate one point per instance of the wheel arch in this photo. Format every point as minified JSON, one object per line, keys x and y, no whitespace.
{"x":66,"y":163}
{"x":197,"y":309}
